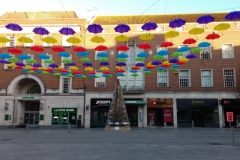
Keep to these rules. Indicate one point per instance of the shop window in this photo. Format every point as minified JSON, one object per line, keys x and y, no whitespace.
{"x":227,"y":51}
{"x":162,"y":78}
{"x":182,"y":116}
{"x":206,"y":78}
{"x":211,"y":115}
{"x":34,"y":90}
{"x":100,"y":82}
{"x":162,"y":48}
{"x":229,"y":77}
{"x":184,"y":78}
{"x":206,"y":53}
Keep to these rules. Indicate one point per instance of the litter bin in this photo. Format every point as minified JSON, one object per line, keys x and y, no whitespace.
{"x":79,"y":123}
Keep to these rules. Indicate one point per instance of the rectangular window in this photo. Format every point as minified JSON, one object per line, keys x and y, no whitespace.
{"x":206,"y":53}
{"x":184,"y":54}
{"x":206,"y":76}
{"x":162,"y":48}
{"x":47,"y":44}
{"x":229,"y":77}
{"x":31,"y":36}
{"x":100,"y":82}
{"x":65,"y":85}
{"x":65,"y":66}
{"x":162,"y":79}
{"x":12,"y":42}
{"x":227,"y":51}
{"x":160,"y":29}
{"x":184,"y":78}
{"x":179,"y":29}
{"x":64,"y":41}
{"x":46,"y":64}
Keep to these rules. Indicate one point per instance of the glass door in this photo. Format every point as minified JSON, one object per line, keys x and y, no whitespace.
{"x":103,"y":118}
{"x":197,"y":117}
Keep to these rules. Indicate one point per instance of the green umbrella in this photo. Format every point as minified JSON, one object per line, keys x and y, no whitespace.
{"x":134,"y":74}
{"x":45,"y":72}
{"x":66,"y":61}
{"x":147,"y":72}
{"x":57,"y":74}
{"x":83,"y":76}
{"x":176,"y":54}
{"x":13,"y":59}
{"x":158,"y":57}
{"x":50,"y":61}
{"x":173,"y":69}
{"x":140,"y":59}
{"x":121,"y":59}
{"x":85,"y":60}
{"x":195,"y":50}
{"x":31,"y":72}
{"x":70,"y":75}
{"x":103,"y":59}
{"x":30,"y":61}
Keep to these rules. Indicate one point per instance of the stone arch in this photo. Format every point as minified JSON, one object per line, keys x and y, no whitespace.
{"x":16,"y":80}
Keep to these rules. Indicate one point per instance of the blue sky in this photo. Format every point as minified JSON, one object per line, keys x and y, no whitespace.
{"x":86,"y":8}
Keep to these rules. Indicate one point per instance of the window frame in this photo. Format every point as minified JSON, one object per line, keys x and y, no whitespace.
{"x":159,"y":48}
{"x":100,"y":82}
{"x":12,"y":41}
{"x":204,"y":49}
{"x":234,"y":77}
{"x":231,"y":55}
{"x":61,"y":85}
{"x":189,"y":75}
{"x":166,"y":77}
{"x":211,"y":72}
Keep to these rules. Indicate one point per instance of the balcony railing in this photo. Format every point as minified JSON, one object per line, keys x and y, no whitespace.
{"x":133,"y":89}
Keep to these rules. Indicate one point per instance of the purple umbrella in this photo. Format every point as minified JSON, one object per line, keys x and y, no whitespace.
{"x":104,"y":63}
{"x":67,"y":31}
{"x":121,"y":28}
{"x":205,"y":19}
{"x":173,"y":60}
{"x":37,"y":65}
{"x":233,"y":15}
{"x":4,"y":61}
{"x":121,"y":64}
{"x":156,"y":63}
{"x":95,"y":28}
{"x":14,"y":27}
{"x":87,"y":64}
{"x":40,"y":30}
{"x":191,"y":56}
{"x":140,"y":64}
{"x":20,"y":64}
{"x":177,"y":23}
{"x":54,"y":65}
{"x":149,"y":26}
{"x":70,"y":64}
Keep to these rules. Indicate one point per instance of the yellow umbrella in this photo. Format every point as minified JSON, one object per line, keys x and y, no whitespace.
{"x":196,"y":31}
{"x":104,"y":68}
{"x":50,"y":40}
{"x":73,"y":40}
{"x":58,"y":68}
{"x":73,"y":68}
{"x":171,"y":34}
{"x":28,"y":67}
{"x":4,"y":40}
{"x":11,"y":65}
{"x":42,"y":68}
{"x":146,"y":37}
{"x":25,"y":40}
{"x":166,"y":62}
{"x":221,"y":27}
{"x":121,"y":38}
{"x":89,"y":69}
{"x":183,"y":60}
{"x":97,"y":39}
{"x":119,"y":67}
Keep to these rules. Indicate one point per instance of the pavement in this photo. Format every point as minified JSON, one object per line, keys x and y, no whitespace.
{"x":137,"y":144}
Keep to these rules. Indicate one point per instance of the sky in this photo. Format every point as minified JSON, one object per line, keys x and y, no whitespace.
{"x":89,"y":8}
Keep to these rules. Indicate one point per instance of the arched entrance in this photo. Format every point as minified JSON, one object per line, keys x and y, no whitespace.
{"x":31,"y":114}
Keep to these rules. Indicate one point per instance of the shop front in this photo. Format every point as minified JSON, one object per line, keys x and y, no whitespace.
{"x":64,"y":116}
{"x":199,"y":112}
{"x":231,"y":106}
{"x":160,"y":112}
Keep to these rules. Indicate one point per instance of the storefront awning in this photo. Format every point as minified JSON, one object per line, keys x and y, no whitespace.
{"x":135,"y":102}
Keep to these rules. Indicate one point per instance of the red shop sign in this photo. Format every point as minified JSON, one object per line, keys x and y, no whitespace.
{"x":167,"y":115}
{"x":229,"y":116}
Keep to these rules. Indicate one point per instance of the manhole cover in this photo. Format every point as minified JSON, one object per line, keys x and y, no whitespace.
{"x":6,"y":139}
{"x":215,"y":143}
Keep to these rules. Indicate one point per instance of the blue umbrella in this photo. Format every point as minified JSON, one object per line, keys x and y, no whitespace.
{"x":121,"y":64}
{"x":95,"y":28}
{"x":177,"y":23}
{"x":156,"y":63}
{"x":133,"y":71}
{"x":162,"y":53}
{"x":37,"y":65}
{"x":71,"y":64}
{"x":204,"y":44}
{"x":20,"y":64}
{"x":106,"y":75}
{"x":24,"y":70}
{"x":24,"y":57}
{"x":43,"y":56}
{"x":67,"y":31}
{"x":87,"y":64}
{"x":4,"y":61}
{"x":38,"y":71}
{"x":205,"y":19}
{"x":64,"y":73}
{"x":41,"y":31}
{"x":146,"y":69}
{"x":143,"y":54}
{"x":233,"y":15}
{"x":14,"y":27}
{"x":161,"y":69}
{"x":78,"y":75}
{"x":183,"y":49}
{"x":120,"y":74}
{"x":122,"y":55}
{"x":173,"y":60}
{"x":63,"y":54}
{"x":5,"y":56}
{"x":191,"y":56}
{"x":102,"y":54}
{"x":104,"y":63}
{"x":121,"y":28}
{"x":53,"y":65}
{"x":149,"y":26}
{"x":140,"y":64}
{"x":82,"y":54}
{"x":175,"y":66}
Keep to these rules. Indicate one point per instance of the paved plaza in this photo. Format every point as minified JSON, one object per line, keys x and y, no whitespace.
{"x":137,"y":144}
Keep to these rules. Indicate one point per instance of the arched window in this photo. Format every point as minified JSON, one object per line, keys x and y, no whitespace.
{"x":34,"y":90}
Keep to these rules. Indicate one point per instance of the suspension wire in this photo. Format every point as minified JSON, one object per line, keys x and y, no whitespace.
{"x":165,"y":7}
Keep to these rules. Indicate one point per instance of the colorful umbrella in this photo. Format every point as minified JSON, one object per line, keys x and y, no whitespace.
{"x":4,"y":61}
{"x":104,"y":63}
{"x":233,"y":15}
{"x":102,"y":54}
{"x":162,"y":52}
{"x":79,"y":49}
{"x":204,"y":44}
{"x":4,"y":40}
{"x":67,"y":31}
{"x":54,"y":65}
{"x":122,"y":55}
{"x":122,"y":48}
{"x":156,"y":62}
{"x":97,"y":39}
{"x":158,"y":57}
{"x":196,"y":50}
{"x":189,"y":41}
{"x":166,"y":44}
{"x":101,"y":48}
{"x":177,"y":54}
{"x":171,"y":34}
{"x":95,"y":28}
{"x":5,"y":56}
{"x":85,"y":60}
{"x":15,"y":50}
{"x":41,"y":31}
{"x":66,"y":61}
{"x":212,"y":36}
{"x":205,"y":19}
{"x":49,"y":40}
{"x":121,"y":38}
{"x":14,"y":27}
{"x":103,"y":59}
{"x":24,"y":57}
{"x":30,"y":61}
{"x":143,"y":54}
{"x":58,"y":49}
{"x":221,"y":27}
{"x":144,"y":46}
{"x":196,"y":31}
{"x":64,"y":54}
{"x":87,"y":64}
{"x":37,"y":48}
{"x":43,"y":56}
{"x":177,"y":23}
{"x":39,"y":65}
{"x":183,"y":49}
{"x":25,"y":40}
{"x":121,"y":28}
{"x":191,"y":56}
{"x":173,"y":60}
{"x":149,"y":26}
{"x":82,"y":54}
{"x":13,"y":59}
{"x":73,"y":40}
{"x":146,"y":37}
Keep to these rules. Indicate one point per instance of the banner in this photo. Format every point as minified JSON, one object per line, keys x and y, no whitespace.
{"x":167,"y":115}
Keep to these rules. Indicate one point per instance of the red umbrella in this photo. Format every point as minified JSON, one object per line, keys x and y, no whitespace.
{"x":91,"y":72}
{"x":189,"y":41}
{"x":34,"y":68}
{"x":165,"y":65}
{"x":106,"y":72}
{"x":79,"y":49}
{"x":63,"y":70}
{"x":122,"y":48}
{"x":166,"y":44}
{"x":37,"y":48}
{"x":212,"y":36}
{"x":58,"y":49}
{"x":135,"y":68}
{"x":101,"y":48}
{"x":121,"y":70}
{"x":18,"y":67}
{"x":180,"y":63}
{"x":144,"y":46}
{"x":15,"y":50}
{"x":49,"y":70}
{"x":77,"y":72}
{"x":150,"y":67}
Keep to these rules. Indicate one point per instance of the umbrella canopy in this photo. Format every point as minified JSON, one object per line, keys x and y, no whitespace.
{"x":176,"y":54}
{"x":166,"y":44}
{"x":58,"y":49}
{"x":13,"y":59}
{"x":177,"y":23}
{"x":85,"y":60}
{"x":121,"y":28}
{"x":64,"y":54}
{"x":104,"y":68}
{"x":191,"y":56}
{"x":156,"y":62}
{"x":102,"y":54}
{"x":70,"y":64}
{"x":82,"y":54}
{"x":173,"y":60}
{"x":97,"y":39}
{"x":95,"y":28}
{"x":121,"y":64}
{"x":37,"y":65}
{"x":30,"y":61}
{"x":162,"y":53}
{"x":14,"y":27}
{"x":25,"y":40}
{"x":222,"y":26}
{"x":196,"y":50}
{"x":212,"y":36}
{"x":142,"y":54}
{"x":183,"y":49}
{"x":103,"y":59}
{"x":149,"y":26}
{"x":5,"y":56}
{"x":158,"y":57}
{"x":205,"y":19}
{"x":41,"y":31}
{"x":189,"y":41}
{"x":54,"y":65}
{"x":196,"y":31}
{"x":66,"y":61}
{"x":49,"y":40}
{"x":101,"y":48}
{"x":120,"y":74}
{"x":79,"y":49}
{"x":24,"y":57}
{"x":15,"y":50}
{"x":37,"y":48}
{"x":121,"y":38}
{"x":122,"y":48}
{"x":104,"y":63}
{"x":204,"y":44}
{"x":4,"y":61}
{"x":4,"y":40}
{"x":67,"y":31}
{"x":122,"y":55}
{"x":77,"y":72}
{"x":73,"y":40}
{"x":20,"y":64}
{"x":144,"y":46}
{"x":146,"y":37}
{"x":233,"y":15}
{"x":171,"y":34}
{"x":43,"y":56}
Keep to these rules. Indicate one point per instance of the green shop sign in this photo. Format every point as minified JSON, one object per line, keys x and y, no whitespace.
{"x":64,"y":110}
{"x":28,"y":97}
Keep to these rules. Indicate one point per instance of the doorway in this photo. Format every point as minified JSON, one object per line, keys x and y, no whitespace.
{"x":31,"y":115}
{"x":197,"y":116}
{"x":132,"y":112}
{"x":99,"y":116}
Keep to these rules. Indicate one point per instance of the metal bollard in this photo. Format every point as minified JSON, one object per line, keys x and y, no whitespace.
{"x":233,"y":142}
{"x":69,"y":127}
{"x":26,"y":128}
{"x":193,"y":126}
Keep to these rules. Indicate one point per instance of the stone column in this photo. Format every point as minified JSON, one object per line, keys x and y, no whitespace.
{"x":175,"y":113}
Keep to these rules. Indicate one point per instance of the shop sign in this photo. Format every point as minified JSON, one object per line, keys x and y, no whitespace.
{"x":103,"y":102}
{"x":64,"y":110}
{"x":197,"y":102}
{"x":167,"y":115}
{"x":28,"y":97}
{"x":229,"y":116}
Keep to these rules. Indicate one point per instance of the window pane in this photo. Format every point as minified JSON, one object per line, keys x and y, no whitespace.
{"x":184,"y":78}
{"x":206,"y":78}
{"x":229,"y":78}
{"x":162,"y":79}
{"x":66,"y":85}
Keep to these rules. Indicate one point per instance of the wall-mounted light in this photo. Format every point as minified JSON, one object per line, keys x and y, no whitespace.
{"x":41,"y":106}
{"x":150,"y":52}
{"x":87,"y":107}
{"x":112,"y":52}
{"x":6,"y":106}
